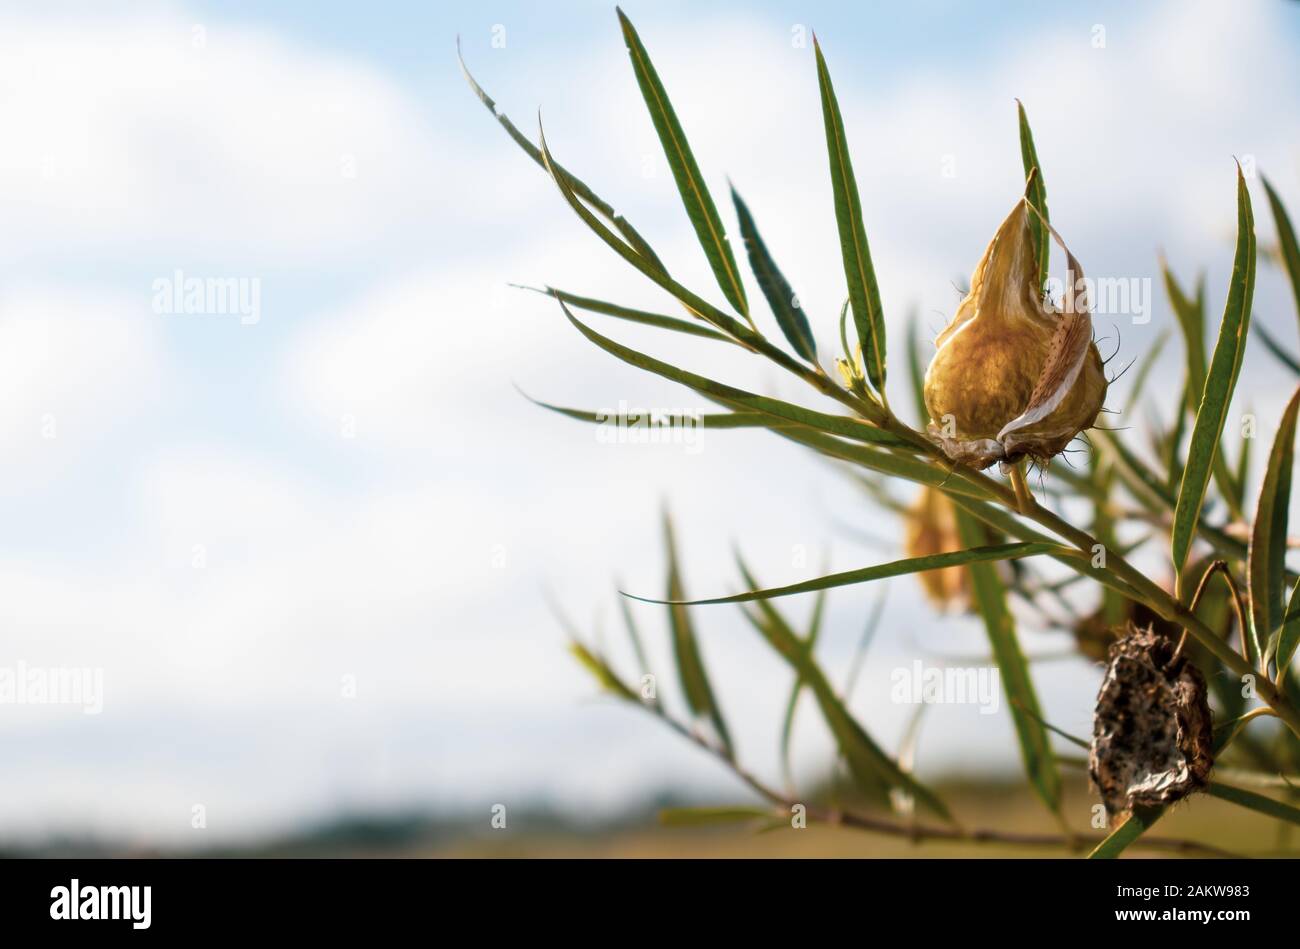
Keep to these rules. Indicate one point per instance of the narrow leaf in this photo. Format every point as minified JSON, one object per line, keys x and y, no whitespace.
{"x":864,"y":294}
{"x":1253,"y":801}
{"x":1134,"y":826}
{"x":780,"y":297}
{"x":1221,"y":380}
{"x":704,"y":816}
{"x":867,"y":762}
{"x":686,"y":650}
{"x":1037,"y":194}
{"x":896,"y":568}
{"x":1286,"y":241}
{"x":843,"y":425}
{"x":601,"y":671}
{"x":1266,"y":560}
{"x":1277,"y":349}
{"x":991,"y":598}
{"x":792,"y":704}
{"x":629,"y":233}
{"x":690,"y":183}
{"x":634,"y":316}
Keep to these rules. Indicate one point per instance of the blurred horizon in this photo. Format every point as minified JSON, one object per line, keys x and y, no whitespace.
{"x":310,"y":540}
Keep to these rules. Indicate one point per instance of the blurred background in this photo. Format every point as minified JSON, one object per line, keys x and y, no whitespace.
{"x":309,"y":540}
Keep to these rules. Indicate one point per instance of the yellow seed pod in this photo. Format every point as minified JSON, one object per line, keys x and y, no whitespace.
{"x":1012,"y":375}
{"x":932,"y":529}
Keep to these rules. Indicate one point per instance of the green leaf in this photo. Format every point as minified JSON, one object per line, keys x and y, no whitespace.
{"x":1144,"y":370}
{"x":867,"y":762}
{"x":690,"y":183}
{"x":686,"y":650}
{"x":1191,"y":320}
{"x":843,"y":425}
{"x":721,"y":420}
{"x":916,"y":370}
{"x":1255,"y":802}
{"x":1134,"y":826}
{"x":896,"y":568}
{"x":991,"y":598}
{"x":704,"y":816}
{"x":1266,"y":560}
{"x":787,"y":721}
{"x":634,"y":316}
{"x":629,"y":233}
{"x":601,"y":671}
{"x":1289,"y":635}
{"x":780,"y":297}
{"x":864,"y":294}
{"x":1286,"y":241}
{"x":1277,"y":349}
{"x":1037,"y":194}
{"x":1221,"y":380}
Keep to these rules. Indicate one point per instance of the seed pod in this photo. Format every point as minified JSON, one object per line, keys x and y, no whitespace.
{"x":1013,"y":376}
{"x":932,"y":529}
{"x":1152,"y":741}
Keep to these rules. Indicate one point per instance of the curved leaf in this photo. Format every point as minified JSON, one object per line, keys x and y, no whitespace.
{"x":634,"y":316}
{"x":690,"y":183}
{"x":780,"y":297}
{"x":1266,"y":559}
{"x":1286,"y":241}
{"x":895,"y":568}
{"x":1037,"y":193}
{"x":690,"y":664}
{"x":629,"y":233}
{"x":1221,"y":380}
{"x":991,"y":598}
{"x":868,"y":315}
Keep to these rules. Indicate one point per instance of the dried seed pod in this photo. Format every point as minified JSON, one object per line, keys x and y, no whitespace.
{"x":1012,"y":376}
{"x":932,"y":529}
{"x":1152,"y":741}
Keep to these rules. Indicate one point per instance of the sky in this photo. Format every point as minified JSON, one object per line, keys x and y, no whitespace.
{"x":309,"y":540}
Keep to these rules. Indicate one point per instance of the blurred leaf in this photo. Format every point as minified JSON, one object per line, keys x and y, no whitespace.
{"x":1266,"y":560}
{"x":634,"y":636}
{"x":864,"y":642}
{"x":1289,"y":635}
{"x":634,"y":316}
{"x":991,"y":598}
{"x":1191,"y":320}
{"x":690,"y":183}
{"x":780,"y":297}
{"x":787,"y":721}
{"x":1253,"y":801}
{"x":601,"y":671}
{"x":896,"y":568}
{"x":868,"y":315}
{"x":1144,"y":370}
{"x":629,"y":233}
{"x":844,"y":425}
{"x":867,"y":762}
{"x":686,"y":650}
{"x":1286,"y":242}
{"x":1219,"y":384}
{"x":1277,"y":349}
{"x":1037,"y":194}
{"x":704,"y":816}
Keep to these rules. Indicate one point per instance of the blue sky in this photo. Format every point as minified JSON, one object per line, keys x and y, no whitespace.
{"x":333,"y":153}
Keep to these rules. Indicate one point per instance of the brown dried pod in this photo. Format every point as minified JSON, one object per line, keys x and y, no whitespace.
{"x":1012,"y":376}
{"x":1152,"y":740}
